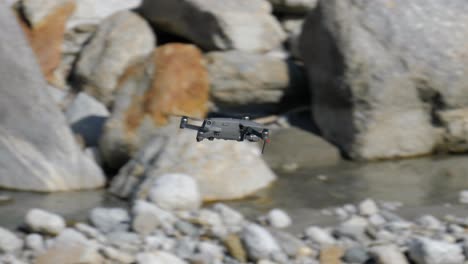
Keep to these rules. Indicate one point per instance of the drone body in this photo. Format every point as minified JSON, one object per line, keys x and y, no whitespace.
{"x":228,"y":129}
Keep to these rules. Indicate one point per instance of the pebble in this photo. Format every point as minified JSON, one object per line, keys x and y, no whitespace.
{"x":354,"y":228}
{"x":331,"y":255}
{"x":320,"y":236}
{"x":463,"y":197}
{"x":45,"y":222}
{"x":35,"y":242}
{"x":110,"y":219}
{"x":356,"y":255}
{"x":229,"y":216}
{"x":428,"y":251}
{"x":118,"y":256}
{"x":235,"y":248}
{"x":430,"y":222}
{"x":259,"y":243}
{"x":388,"y":254}
{"x":9,"y":242}
{"x":175,"y":192}
{"x":278,"y":218}
{"x":147,"y":217}
{"x":368,"y":207}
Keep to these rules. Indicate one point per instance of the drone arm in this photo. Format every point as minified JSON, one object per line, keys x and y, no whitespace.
{"x":184,"y":124}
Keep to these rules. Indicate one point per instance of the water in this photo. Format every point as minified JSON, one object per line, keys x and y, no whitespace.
{"x":425,"y":186}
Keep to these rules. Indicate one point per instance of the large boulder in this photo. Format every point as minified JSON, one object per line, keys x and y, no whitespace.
{"x":223,"y":169}
{"x":120,"y":41}
{"x":147,"y":98}
{"x":44,"y":21}
{"x":381,"y":71}
{"x":218,"y":25}
{"x":242,"y":78}
{"x":37,"y":149}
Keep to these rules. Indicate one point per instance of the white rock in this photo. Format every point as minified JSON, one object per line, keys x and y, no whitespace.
{"x":110,"y":219}
{"x":233,"y":24}
{"x":229,"y":216}
{"x":388,"y":254}
{"x":377,"y":220}
{"x":118,"y":43}
{"x":9,"y":242}
{"x":159,"y":257}
{"x":354,"y":227}
{"x":368,"y":207}
{"x":93,"y":12}
{"x":147,"y":216}
{"x":42,"y":221}
{"x":463,"y":197}
{"x":430,"y":222}
{"x":117,"y":255}
{"x":90,"y":232}
{"x":278,"y":218}
{"x":71,"y":244}
{"x":35,"y":242}
{"x":211,"y":251}
{"x":320,"y":236}
{"x":175,"y":192}
{"x":428,"y":251}
{"x":10,"y":259}
{"x":259,"y":242}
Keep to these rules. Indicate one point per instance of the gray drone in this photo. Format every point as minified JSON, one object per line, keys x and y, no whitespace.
{"x":228,"y":129}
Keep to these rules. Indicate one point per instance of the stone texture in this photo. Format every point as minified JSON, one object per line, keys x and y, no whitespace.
{"x":45,"y":158}
{"x":223,"y":169}
{"x":159,"y":257}
{"x":429,"y":251}
{"x":86,"y":117}
{"x":241,"y":78}
{"x":259,"y":242}
{"x":70,"y":247}
{"x":45,"y":27}
{"x":388,"y":254}
{"x":380,"y":73}
{"x":45,"y":222}
{"x":120,"y":41}
{"x":9,"y":242}
{"x":145,"y":101}
{"x":109,"y":219}
{"x":214,"y":25}
{"x":331,"y":255}
{"x":93,"y":12}
{"x":175,"y":191}
{"x":180,"y":84}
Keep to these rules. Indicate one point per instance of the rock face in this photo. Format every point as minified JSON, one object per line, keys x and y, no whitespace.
{"x":180,"y":84}
{"x":93,"y":12}
{"x":45,"y":158}
{"x":240,"y":78}
{"x":120,"y":41}
{"x":214,"y":25}
{"x":380,"y":73}
{"x":44,"y":26}
{"x":145,"y":101}
{"x":223,"y":169}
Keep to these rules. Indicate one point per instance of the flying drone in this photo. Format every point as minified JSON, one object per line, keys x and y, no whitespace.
{"x":238,"y":129}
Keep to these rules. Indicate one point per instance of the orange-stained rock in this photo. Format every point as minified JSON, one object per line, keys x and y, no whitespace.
{"x":331,"y":255}
{"x":180,"y":85}
{"x":46,"y":37}
{"x":173,"y":81}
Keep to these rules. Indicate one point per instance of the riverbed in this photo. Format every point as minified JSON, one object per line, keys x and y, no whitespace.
{"x":427,"y":185}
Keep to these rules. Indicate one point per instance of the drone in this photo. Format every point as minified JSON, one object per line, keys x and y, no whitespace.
{"x":238,"y":129}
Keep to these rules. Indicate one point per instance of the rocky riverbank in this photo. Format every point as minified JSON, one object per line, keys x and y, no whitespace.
{"x":163,"y":230}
